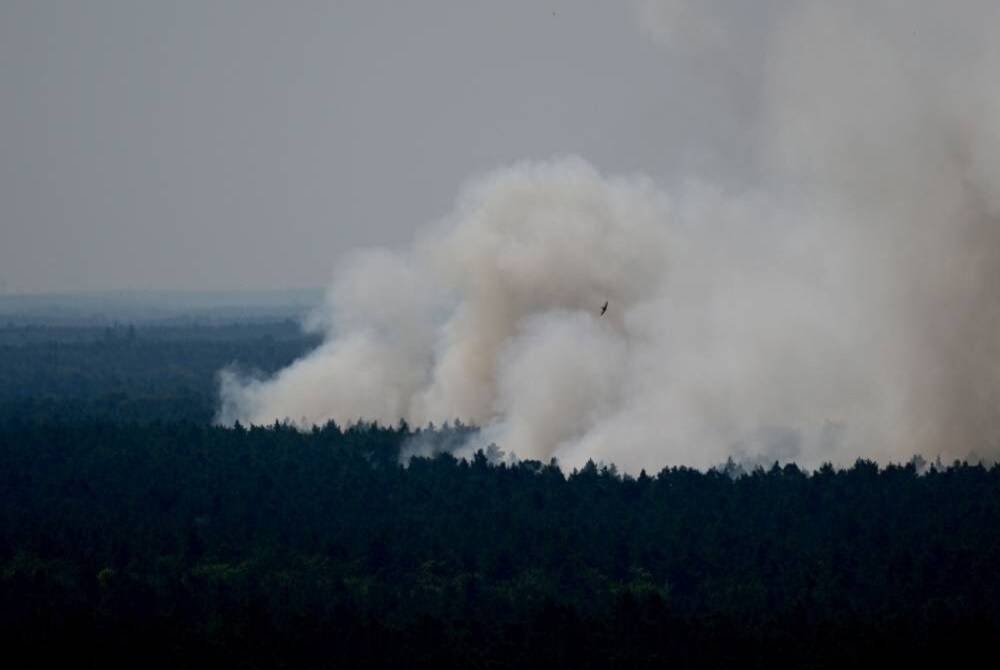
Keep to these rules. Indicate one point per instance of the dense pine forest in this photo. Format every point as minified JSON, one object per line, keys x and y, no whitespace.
{"x":134,"y":532}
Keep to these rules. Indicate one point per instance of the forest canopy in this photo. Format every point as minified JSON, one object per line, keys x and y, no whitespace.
{"x":146,"y":532}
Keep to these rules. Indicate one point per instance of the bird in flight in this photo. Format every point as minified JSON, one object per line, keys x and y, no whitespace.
{"x":604,"y":308}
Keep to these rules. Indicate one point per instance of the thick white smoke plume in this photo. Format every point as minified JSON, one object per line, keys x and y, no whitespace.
{"x":846,"y":304}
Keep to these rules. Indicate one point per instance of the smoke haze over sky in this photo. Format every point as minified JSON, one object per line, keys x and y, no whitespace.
{"x":248,"y":144}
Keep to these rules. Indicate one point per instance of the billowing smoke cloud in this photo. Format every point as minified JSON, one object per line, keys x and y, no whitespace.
{"x":845,"y":303}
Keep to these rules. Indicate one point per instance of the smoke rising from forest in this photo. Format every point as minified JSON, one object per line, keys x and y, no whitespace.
{"x":844,"y":302}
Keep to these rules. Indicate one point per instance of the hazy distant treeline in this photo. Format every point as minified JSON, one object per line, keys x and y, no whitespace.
{"x":155,"y":308}
{"x":134,"y":372}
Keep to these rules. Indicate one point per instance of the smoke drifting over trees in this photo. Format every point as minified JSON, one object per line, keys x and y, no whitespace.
{"x":842,"y":302}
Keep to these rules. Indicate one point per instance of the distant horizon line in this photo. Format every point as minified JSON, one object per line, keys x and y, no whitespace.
{"x":84,"y":293}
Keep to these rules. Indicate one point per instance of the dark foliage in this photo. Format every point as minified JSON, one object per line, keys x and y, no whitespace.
{"x":134,"y":533}
{"x":260,"y":547}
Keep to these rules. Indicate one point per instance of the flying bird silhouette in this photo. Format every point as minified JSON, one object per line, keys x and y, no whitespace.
{"x":604,"y":308}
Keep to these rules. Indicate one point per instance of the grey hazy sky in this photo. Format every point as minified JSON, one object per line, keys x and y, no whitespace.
{"x":250,"y":143}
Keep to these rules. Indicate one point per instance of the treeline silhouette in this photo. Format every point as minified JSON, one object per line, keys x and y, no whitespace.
{"x":177,"y":543}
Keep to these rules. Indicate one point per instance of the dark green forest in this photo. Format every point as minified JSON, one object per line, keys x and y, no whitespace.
{"x":133,"y":532}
